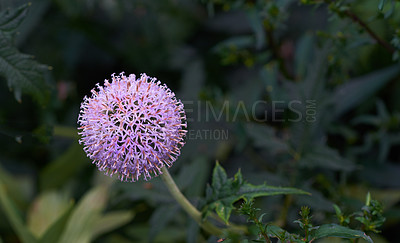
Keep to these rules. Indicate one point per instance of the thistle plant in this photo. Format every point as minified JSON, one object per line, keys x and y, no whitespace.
{"x":132,"y":126}
{"x":136,"y":126}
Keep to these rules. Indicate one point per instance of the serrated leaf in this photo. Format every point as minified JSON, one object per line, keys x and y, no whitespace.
{"x":334,"y":230}
{"x":223,"y":209}
{"x":250,"y":191}
{"x":219,"y":176}
{"x":14,"y":218}
{"x":23,"y":74}
{"x":10,"y":19}
{"x":224,"y":192}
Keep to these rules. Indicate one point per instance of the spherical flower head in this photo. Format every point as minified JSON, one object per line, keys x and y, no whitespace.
{"x":132,"y":127}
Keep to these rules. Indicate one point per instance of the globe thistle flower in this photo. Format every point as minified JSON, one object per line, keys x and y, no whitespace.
{"x":132,"y":127}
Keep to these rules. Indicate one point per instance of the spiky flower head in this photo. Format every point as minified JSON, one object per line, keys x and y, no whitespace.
{"x":132,"y":127}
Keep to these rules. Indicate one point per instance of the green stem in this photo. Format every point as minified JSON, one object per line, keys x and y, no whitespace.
{"x":262,"y":230}
{"x":284,"y":213}
{"x":64,"y":131}
{"x":186,"y":205}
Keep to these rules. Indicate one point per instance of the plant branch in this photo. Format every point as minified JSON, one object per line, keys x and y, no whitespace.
{"x":379,"y":40}
{"x":360,"y":22}
{"x":263,"y":233}
{"x":186,"y":205}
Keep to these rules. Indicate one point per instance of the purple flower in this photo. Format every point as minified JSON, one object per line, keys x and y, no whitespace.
{"x":132,"y":126}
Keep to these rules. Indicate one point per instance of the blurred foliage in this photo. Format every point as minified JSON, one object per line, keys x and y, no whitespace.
{"x":306,"y":91}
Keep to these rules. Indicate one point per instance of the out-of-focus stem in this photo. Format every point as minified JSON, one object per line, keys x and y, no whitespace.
{"x":379,"y":40}
{"x":64,"y":131}
{"x":186,"y":205}
{"x":281,"y":222}
{"x":275,"y":52}
{"x":360,"y":22}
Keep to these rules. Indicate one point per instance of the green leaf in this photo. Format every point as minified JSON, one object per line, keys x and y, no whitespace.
{"x":264,"y":137}
{"x":63,"y":168}
{"x":279,"y":232}
{"x":381,"y":5}
{"x":192,"y":231}
{"x":353,"y":93}
{"x":14,"y":218}
{"x":15,"y":188}
{"x":192,"y":178}
{"x":171,"y":233}
{"x":323,"y":156}
{"x":161,"y":217}
{"x":223,"y":192}
{"x":304,"y":54}
{"x":45,"y":210}
{"x":269,"y":75}
{"x":153,"y":192}
{"x":223,"y":209}
{"x":219,"y":177}
{"x":275,"y":230}
{"x":334,"y":230}
{"x":53,"y":233}
{"x":81,"y":226}
{"x":111,"y":221}
{"x":23,"y":74}
{"x":256,"y":24}
{"x":11,"y":19}
{"x":337,"y":210}
{"x":250,"y":191}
